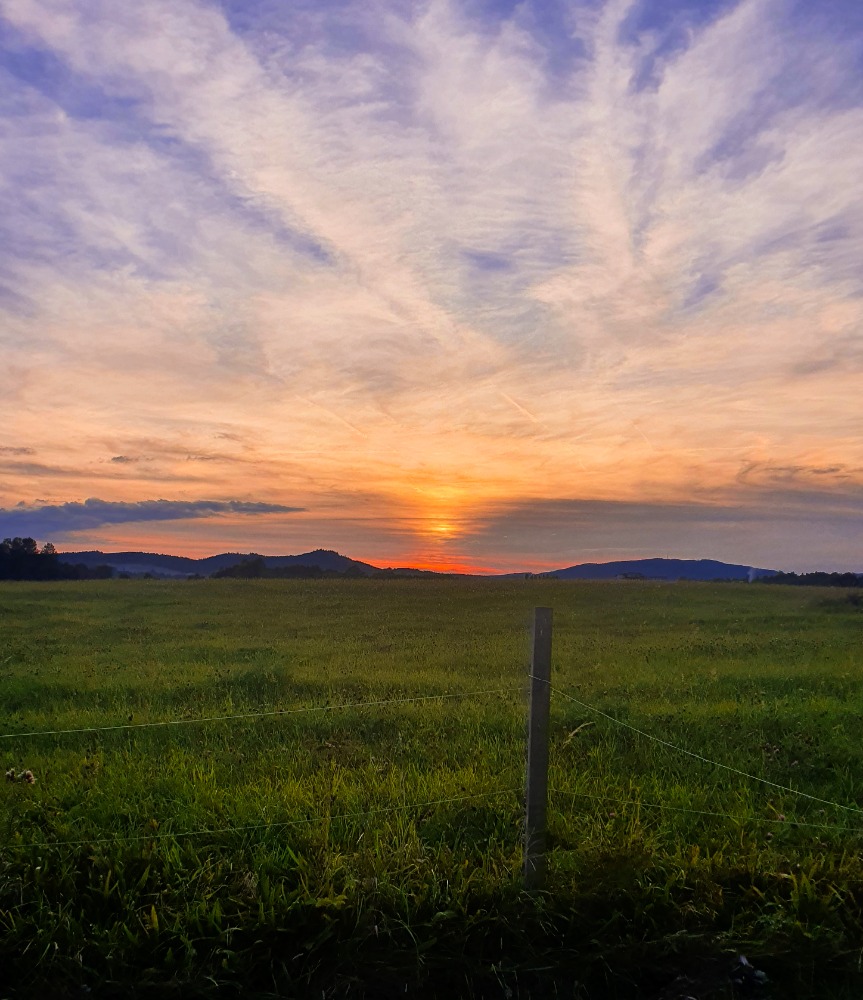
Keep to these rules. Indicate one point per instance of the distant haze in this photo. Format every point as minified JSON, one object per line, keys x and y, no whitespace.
{"x":485,"y":286}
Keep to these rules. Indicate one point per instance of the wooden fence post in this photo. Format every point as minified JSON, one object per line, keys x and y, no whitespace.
{"x":536,"y":786}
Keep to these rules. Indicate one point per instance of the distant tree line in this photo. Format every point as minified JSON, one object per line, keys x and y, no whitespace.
{"x":22,"y":559}
{"x":257,"y":569}
{"x":818,"y":579}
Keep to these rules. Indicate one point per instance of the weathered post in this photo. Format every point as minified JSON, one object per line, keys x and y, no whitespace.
{"x":536,"y":787}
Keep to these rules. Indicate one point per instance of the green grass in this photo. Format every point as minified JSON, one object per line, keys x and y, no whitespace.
{"x":287,"y":855}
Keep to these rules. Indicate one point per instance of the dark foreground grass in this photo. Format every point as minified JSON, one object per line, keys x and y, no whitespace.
{"x":375,"y":851}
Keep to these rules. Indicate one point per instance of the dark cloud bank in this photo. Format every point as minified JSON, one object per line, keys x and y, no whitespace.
{"x":42,"y":521}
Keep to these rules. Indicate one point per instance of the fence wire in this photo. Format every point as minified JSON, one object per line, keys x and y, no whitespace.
{"x":270,"y":713}
{"x":262,"y":714}
{"x":281,"y":824}
{"x":708,"y":812}
{"x":703,"y":759}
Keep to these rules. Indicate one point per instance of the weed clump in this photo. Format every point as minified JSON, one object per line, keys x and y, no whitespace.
{"x":26,"y":776}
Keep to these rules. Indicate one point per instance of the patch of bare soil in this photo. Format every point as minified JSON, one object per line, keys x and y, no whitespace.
{"x":715,"y":979}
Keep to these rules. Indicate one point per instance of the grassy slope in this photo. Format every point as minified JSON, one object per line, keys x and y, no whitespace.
{"x":764,"y":679}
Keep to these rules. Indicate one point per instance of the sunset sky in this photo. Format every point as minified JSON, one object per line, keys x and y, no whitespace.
{"x":487,"y":285}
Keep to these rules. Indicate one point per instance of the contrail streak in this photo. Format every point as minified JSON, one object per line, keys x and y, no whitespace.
{"x":335,"y":416}
{"x":519,"y":407}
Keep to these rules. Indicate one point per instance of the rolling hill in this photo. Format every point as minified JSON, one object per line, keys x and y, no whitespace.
{"x":167,"y":566}
{"x":180,"y":567}
{"x":661,"y":569}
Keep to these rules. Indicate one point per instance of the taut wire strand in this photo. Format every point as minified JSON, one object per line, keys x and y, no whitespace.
{"x":170,"y":835}
{"x":706,"y":760}
{"x":254,"y":715}
{"x":707,"y":812}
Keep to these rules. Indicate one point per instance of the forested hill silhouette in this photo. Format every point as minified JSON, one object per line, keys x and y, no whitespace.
{"x":320,"y":562}
{"x":326,"y":561}
{"x":223,"y":564}
{"x":661,"y":569}
{"x":22,"y":559}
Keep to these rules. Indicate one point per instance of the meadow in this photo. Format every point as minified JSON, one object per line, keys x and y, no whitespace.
{"x":340,"y":848}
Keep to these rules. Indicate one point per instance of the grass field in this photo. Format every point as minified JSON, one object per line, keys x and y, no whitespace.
{"x":376,"y":851}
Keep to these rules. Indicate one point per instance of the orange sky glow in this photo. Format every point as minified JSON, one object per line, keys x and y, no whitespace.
{"x":463,"y":290}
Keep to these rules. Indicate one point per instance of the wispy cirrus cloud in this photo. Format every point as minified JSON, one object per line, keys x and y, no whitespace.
{"x":457,"y":252}
{"x":45,"y":520}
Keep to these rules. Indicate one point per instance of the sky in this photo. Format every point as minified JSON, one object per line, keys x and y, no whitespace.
{"x":481,"y":285}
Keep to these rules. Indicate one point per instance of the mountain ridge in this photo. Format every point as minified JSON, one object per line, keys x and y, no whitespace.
{"x":140,"y":563}
{"x":328,"y":560}
{"x":661,"y":569}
